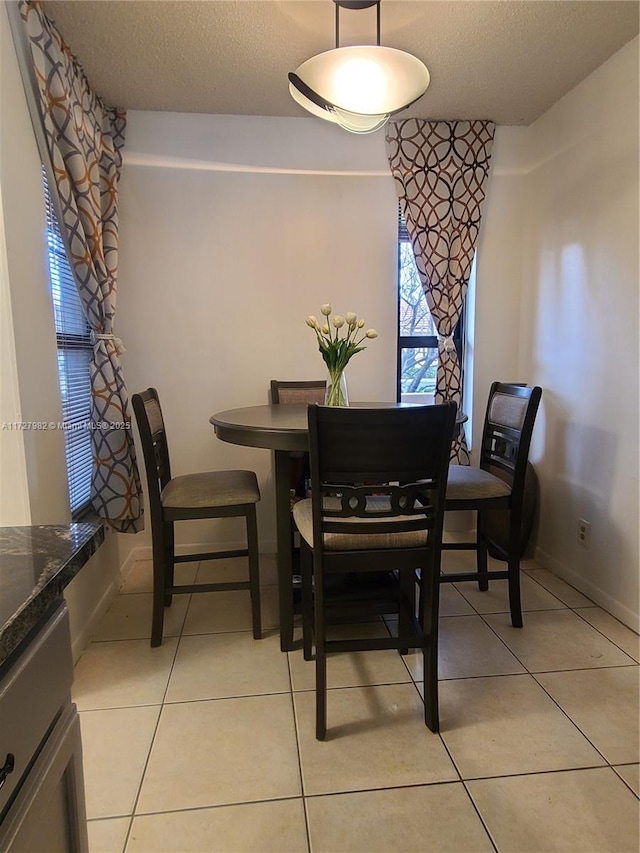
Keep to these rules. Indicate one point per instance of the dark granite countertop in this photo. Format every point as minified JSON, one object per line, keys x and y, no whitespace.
{"x":36,"y":564}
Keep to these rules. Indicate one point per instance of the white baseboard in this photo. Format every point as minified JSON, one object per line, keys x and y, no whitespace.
{"x":134,"y":555}
{"x":597,"y":595}
{"x":90,"y":625}
{"x":81,"y":640}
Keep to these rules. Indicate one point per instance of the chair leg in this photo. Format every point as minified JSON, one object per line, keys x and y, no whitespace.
{"x":430,"y":667}
{"x":306,"y":566}
{"x":407,"y":606}
{"x":514,"y":593}
{"x":481,"y":555}
{"x":160,"y":561}
{"x":428,"y":619}
{"x":513,"y":567}
{"x":321,"y":692}
{"x":169,"y":562}
{"x":254,"y":571}
{"x":321,"y":665}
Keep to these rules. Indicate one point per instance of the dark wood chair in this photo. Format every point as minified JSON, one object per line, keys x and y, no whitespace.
{"x":374,"y":519}
{"x":498,"y":488}
{"x":214,"y":494}
{"x":294,"y":391}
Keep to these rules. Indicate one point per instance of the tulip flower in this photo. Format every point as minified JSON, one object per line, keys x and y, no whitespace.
{"x":337,"y":349}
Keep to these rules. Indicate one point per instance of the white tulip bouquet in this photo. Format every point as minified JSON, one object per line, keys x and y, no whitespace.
{"x":338,"y":347}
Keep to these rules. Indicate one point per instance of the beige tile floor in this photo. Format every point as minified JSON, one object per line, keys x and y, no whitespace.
{"x":207,"y":743}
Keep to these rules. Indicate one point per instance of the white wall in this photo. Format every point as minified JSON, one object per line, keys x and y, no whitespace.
{"x":34,"y":374}
{"x":233,"y":230}
{"x":579,"y":329}
{"x":14,"y":492}
{"x":497,"y":304}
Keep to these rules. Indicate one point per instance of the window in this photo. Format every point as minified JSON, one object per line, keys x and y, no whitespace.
{"x":417,"y":334}
{"x":73,"y":337}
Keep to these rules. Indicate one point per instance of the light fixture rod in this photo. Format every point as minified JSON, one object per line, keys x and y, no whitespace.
{"x":357,"y":4}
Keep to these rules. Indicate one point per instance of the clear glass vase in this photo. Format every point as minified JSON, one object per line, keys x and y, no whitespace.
{"x":336,"y":393}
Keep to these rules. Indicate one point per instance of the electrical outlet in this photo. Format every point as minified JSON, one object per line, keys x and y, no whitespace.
{"x":584,"y":532}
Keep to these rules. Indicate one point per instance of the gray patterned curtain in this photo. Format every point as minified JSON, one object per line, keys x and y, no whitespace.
{"x":440,"y":170}
{"x":84,"y":141}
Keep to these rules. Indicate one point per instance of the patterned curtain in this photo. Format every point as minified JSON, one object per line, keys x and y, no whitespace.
{"x":84,"y":141}
{"x":440,"y":170}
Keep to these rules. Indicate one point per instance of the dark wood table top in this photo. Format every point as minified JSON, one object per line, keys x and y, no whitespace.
{"x":277,"y":427}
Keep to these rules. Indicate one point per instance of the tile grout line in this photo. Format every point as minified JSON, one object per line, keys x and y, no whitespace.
{"x":584,"y":735}
{"x":494,"y":843}
{"x":157,"y":725}
{"x":576,"y":609}
{"x":298,"y":751}
{"x":533,"y":676}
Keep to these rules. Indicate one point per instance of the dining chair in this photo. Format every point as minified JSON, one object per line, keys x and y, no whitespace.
{"x":497,"y":490}
{"x":374,"y":519}
{"x":298,"y":391}
{"x":211,"y":494}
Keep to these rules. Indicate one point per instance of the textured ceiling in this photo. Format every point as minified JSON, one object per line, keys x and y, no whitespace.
{"x":506,"y":60}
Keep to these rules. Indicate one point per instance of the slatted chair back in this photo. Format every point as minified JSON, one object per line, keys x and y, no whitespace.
{"x":303,"y":391}
{"x":155,"y":449}
{"x":369,"y":465}
{"x":508,"y":428}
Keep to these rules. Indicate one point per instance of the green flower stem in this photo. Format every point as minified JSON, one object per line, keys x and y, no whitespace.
{"x":335,"y":397}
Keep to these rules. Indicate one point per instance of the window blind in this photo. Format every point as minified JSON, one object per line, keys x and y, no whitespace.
{"x":403,"y":234}
{"x":73,"y":337}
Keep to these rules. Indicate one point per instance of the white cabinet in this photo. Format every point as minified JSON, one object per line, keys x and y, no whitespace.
{"x":42,"y":790}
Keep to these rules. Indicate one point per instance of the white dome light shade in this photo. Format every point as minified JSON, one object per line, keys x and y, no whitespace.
{"x":354,"y":122}
{"x":311,"y":106}
{"x":358,"y":123}
{"x":368,"y":81}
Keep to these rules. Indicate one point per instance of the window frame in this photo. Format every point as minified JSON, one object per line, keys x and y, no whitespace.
{"x":415,"y":341}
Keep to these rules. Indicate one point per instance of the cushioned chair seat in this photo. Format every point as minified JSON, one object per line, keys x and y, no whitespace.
{"x":302,"y":513}
{"x":495,"y":491}
{"x":465,"y":483}
{"x":211,"y":489}
{"x":191,"y":497}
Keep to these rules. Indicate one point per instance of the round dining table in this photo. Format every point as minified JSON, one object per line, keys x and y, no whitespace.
{"x":281,"y":428}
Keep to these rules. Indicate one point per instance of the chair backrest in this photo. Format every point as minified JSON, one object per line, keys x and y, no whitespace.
{"x":146,"y":406}
{"x":290,"y":391}
{"x":508,"y":427}
{"x":379,"y":463}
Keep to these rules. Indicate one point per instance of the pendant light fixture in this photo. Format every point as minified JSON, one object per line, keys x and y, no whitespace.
{"x":359,"y":87}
